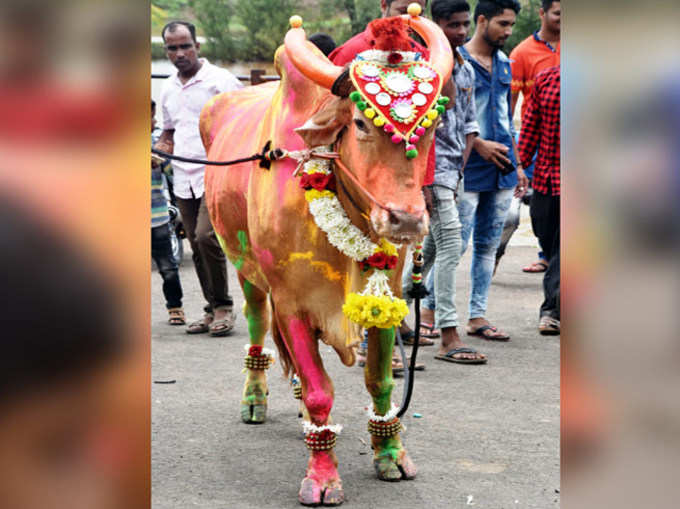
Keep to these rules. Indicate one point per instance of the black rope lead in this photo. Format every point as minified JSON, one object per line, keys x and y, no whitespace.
{"x":417,"y":292}
{"x":265,"y":157}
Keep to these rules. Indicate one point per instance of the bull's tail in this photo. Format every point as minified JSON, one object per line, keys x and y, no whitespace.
{"x":284,"y":355}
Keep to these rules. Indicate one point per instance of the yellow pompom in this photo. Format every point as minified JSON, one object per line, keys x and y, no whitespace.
{"x":378,"y":121}
{"x":414,"y":9}
{"x":370,"y":113}
{"x":296,"y":21}
{"x":426,"y":123}
{"x":432,"y":114}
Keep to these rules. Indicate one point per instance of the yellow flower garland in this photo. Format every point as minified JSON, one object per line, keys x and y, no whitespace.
{"x":381,"y":311}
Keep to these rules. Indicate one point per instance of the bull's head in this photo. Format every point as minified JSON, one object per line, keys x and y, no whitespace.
{"x":384,"y":166}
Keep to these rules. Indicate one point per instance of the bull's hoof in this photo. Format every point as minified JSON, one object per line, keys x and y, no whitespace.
{"x":393,"y":471}
{"x":313,"y":493}
{"x":254,"y":414}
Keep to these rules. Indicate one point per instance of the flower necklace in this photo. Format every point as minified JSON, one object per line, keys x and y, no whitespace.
{"x":376,"y":305}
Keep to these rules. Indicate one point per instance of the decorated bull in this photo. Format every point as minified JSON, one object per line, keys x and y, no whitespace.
{"x":318,"y":238}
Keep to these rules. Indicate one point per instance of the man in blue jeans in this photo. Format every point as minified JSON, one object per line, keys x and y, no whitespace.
{"x":487,"y":192}
{"x":454,"y":141}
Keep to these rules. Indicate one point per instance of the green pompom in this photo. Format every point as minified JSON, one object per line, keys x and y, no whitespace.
{"x":355,"y":96}
{"x":411,"y":154}
{"x":362,"y":105}
{"x":441,"y":109}
{"x":443,"y":100}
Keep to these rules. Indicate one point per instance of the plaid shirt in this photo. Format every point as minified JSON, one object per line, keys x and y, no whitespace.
{"x":541,"y":130}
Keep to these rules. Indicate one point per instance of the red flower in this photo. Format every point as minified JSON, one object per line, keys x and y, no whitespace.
{"x":394,"y":58}
{"x":377,"y":260}
{"x":392,"y":262}
{"x":331,"y":183}
{"x":319,"y":181}
{"x":255,"y":351}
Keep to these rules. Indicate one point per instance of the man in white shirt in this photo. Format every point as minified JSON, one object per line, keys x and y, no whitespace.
{"x":183,"y":96}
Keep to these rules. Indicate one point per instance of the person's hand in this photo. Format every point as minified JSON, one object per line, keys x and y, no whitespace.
{"x":165,"y":146}
{"x":492,"y":151}
{"x":522,"y":183}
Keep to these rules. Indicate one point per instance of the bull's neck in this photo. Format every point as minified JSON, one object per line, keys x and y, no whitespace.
{"x":354,"y":207}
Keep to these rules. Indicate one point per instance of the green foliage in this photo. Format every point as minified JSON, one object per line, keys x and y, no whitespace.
{"x":246,"y":30}
{"x":265,"y":24}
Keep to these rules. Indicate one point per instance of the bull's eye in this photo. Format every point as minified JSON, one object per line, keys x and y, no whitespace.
{"x":361,"y":125}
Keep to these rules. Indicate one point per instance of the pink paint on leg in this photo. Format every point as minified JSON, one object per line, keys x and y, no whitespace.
{"x":322,"y":467}
{"x":319,"y":397}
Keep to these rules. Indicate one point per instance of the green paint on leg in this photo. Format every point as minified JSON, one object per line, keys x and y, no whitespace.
{"x":243,"y":243}
{"x":389,"y":448}
{"x":383,"y":402}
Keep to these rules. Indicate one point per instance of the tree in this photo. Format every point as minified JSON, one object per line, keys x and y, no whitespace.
{"x":213,"y":17}
{"x":265,"y":24}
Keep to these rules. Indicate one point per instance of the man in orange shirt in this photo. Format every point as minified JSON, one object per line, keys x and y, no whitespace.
{"x":539,"y":51}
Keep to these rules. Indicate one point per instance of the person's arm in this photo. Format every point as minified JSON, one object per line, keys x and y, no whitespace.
{"x":530,"y":133}
{"x":166,"y":141}
{"x":449,"y":90}
{"x":522,"y":180}
{"x":471,"y":128}
{"x":491,"y":151}
{"x":518,"y":78}
{"x":513,"y":102}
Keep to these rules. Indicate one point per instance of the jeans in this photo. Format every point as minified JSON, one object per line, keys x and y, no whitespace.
{"x":161,"y":252}
{"x":482,"y":215}
{"x":545,"y":221}
{"x":444,"y":242}
{"x":209,"y":259}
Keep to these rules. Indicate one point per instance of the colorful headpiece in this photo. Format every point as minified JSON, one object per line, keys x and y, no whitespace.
{"x":398,"y":90}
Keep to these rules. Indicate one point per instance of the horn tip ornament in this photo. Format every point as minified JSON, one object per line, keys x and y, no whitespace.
{"x":414,"y":9}
{"x":295,"y":21}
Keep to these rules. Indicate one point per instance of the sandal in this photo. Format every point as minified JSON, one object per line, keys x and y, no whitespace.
{"x":427,"y":330}
{"x":449,"y":356}
{"x":176,"y":316}
{"x":549,"y":326}
{"x":484,"y":330}
{"x":408,"y":339}
{"x":223,"y":326}
{"x":536,"y":267}
{"x":200,"y":326}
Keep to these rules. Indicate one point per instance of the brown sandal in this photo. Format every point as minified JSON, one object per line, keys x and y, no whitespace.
{"x":176,"y":316}
{"x":223,"y":326}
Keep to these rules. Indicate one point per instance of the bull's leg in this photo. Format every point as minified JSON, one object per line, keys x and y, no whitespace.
{"x":254,"y":402}
{"x":322,"y":484}
{"x":390,"y":459}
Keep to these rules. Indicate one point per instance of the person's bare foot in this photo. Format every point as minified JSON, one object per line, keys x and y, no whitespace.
{"x":451,"y":341}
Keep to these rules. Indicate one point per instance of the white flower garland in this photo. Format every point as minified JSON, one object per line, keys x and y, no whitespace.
{"x":382,"y":418}
{"x":309,"y":427}
{"x":377,"y":55}
{"x":265,"y":351}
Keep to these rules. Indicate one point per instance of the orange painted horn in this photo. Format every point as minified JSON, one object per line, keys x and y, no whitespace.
{"x":441,"y":55}
{"x":308,"y":60}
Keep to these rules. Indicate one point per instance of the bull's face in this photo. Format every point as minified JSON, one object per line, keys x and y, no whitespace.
{"x":375,"y":176}
{"x":386,"y":187}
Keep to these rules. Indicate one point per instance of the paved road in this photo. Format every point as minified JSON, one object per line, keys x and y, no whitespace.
{"x":488,"y":436}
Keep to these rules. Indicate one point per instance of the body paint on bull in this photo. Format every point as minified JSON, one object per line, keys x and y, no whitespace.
{"x":378,"y":370}
{"x":316,"y":387}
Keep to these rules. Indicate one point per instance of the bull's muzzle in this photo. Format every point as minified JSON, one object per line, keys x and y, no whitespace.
{"x":399,"y":226}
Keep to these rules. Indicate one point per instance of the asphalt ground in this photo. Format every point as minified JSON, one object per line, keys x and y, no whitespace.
{"x":488,"y":435}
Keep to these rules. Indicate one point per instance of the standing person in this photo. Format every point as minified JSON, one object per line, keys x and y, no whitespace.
{"x":487,"y":192}
{"x":454,"y":140}
{"x":539,"y":51}
{"x":541,"y":130}
{"x":182,"y":98}
{"x":161,"y":248}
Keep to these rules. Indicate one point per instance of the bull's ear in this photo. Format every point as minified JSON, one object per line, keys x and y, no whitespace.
{"x":325,"y":125}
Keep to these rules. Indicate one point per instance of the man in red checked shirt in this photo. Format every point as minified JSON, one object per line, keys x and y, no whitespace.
{"x":541,"y":131}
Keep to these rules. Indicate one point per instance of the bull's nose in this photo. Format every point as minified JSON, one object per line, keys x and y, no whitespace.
{"x":404,"y":222}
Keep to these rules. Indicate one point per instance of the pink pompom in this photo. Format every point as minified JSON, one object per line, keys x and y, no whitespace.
{"x":420,"y":131}
{"x":410,"y":147}
{"x":396,"y":138}
{"x":414,"y":139}
{"x":389,"y":128}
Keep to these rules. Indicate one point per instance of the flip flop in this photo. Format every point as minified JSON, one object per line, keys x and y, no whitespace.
{"x":481,"y":333}
{"x":449,"y":356}
{"x":224,"y":326}
{"x":536,"y":267}
{"x":433,"y":333}
{"x":176,"y":316}
{"x":408,"y":339}
{"x":549,"y":326}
